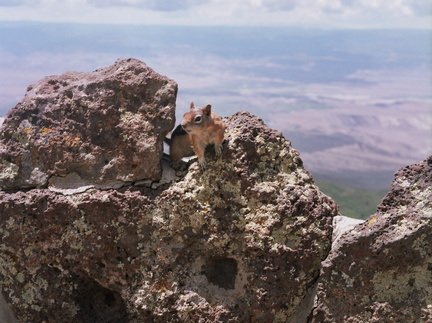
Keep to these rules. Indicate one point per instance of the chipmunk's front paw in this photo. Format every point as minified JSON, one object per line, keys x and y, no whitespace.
{"x":202,"y":164}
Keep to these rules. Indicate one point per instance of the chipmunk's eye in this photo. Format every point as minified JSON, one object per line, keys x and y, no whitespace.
{"x":198,"y":119}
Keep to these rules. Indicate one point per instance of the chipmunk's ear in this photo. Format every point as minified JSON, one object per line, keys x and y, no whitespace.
{"x":207,"y":109}
{"x":192,"y":105}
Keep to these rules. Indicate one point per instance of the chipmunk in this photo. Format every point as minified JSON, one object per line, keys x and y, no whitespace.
{"x":199,"y":128}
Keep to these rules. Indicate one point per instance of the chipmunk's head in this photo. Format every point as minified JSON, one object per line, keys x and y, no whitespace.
{"x":196,"y":118}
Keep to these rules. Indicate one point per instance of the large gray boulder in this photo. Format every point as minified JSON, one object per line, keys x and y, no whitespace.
{"x":381,"y":271}
{"x":105,"y":127}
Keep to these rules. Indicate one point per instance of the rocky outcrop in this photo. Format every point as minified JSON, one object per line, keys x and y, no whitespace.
{"x":105,"y":127}
{"x":96,"y":227}
{"x":381,"y":271}
{"x":241,"y":241}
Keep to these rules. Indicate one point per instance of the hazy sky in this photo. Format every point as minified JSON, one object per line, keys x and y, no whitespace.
{"x":307,"y":13}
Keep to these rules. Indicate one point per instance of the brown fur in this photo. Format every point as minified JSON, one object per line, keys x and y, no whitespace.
{"x":199,"y":128}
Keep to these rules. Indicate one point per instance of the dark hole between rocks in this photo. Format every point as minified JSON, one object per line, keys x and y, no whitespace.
{"x":98,"y":304}
{"x":69,"y":94}
{"x":221,"y":272}
{"x":110,"y":299}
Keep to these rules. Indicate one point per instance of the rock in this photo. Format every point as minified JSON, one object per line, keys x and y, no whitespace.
{"x":104,"y":126}
{"x":241,"y":241}
{"x":381,"y":271}
{"x":342,"y":224}
{"x":6,"y":314}
{"x":72,"y":183}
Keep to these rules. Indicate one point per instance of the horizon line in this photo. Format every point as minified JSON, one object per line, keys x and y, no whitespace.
{"x":287,"y":26}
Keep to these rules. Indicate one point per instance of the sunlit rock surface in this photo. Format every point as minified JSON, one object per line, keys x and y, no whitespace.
{"x":381,"y":271}
{"x":103,"y":126}
{"x":240,"y":241}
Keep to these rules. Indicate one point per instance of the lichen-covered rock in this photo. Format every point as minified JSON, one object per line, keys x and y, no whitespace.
{"x":241,"y":241}
{"x":107,"y":125}
{"x":381,"y":271}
